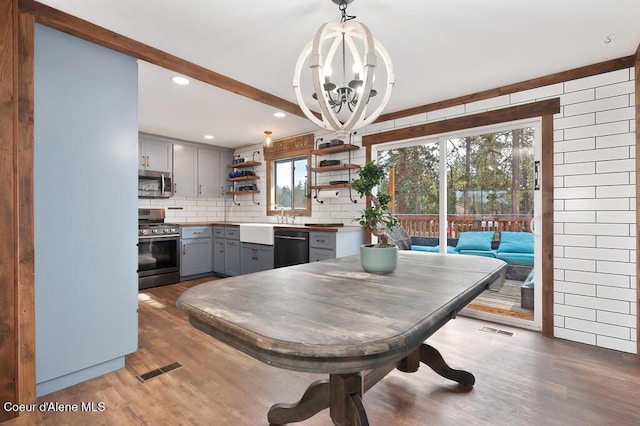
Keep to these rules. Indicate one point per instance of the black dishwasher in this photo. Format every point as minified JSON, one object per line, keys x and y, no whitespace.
{"x":290,"y":248}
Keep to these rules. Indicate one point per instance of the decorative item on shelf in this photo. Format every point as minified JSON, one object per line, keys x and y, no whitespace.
{"x":345,"y":101}
{"x":379,"y":219}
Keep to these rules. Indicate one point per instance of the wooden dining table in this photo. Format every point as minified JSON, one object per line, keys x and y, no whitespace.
{"x":333,"y":318}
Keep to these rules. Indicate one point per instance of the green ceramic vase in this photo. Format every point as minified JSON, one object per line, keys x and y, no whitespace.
{"x":378,"y":260}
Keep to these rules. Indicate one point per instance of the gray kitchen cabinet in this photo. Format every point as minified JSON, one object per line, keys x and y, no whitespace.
{"x":154,"y":153}
{"x":209,"y":183}
{"x":255,"y":258}
{"x":226,"y":250}
{"x":199,"y":171}
{"x":185,"y":164}
{"x":196,"y":255}
{"x":330,"y":245}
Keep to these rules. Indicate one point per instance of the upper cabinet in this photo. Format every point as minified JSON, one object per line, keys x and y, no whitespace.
{"x":154,"y":154}
{"x":199,"y":171}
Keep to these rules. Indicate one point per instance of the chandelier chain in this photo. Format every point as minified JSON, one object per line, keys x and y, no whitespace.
{"x":343,"y":9}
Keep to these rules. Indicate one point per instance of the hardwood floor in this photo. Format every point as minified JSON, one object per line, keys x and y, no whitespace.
{"x":525,"y":379}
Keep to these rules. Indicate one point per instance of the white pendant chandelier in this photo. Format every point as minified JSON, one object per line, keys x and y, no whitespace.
{"x":343,"y":58}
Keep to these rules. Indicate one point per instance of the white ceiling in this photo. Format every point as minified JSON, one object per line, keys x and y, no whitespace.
{"x":440,"y":49}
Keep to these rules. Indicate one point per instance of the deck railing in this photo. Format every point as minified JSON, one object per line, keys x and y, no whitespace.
{"x":429,"y":225}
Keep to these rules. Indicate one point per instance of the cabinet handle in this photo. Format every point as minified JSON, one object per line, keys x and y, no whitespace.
{"x":184,"y":249}
{"x":200,"y":192}
{"x":175,"y":188}
{"x":320,"y":241}
{"x":144,"y":163}
{"x":254,"y":254}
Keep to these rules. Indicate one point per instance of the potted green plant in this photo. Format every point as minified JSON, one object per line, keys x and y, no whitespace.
{"x":379,"y":219}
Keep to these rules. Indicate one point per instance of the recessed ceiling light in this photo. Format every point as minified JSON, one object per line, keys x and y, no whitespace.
{"x":208,"y":136}
{"x":279,"y":114}
{"x":180,"y":80}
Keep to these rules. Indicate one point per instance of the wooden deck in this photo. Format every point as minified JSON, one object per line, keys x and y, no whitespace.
{"x":504,"y":302}
{"x":525,"y":379}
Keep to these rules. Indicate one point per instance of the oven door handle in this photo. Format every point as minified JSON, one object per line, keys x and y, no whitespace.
{"x":158,"y":237}
{"x":162,"y":186}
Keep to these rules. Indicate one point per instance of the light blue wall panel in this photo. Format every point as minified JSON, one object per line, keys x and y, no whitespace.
{"x":85,"y":160}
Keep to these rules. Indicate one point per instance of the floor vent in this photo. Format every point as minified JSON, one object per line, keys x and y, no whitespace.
{"x":496,"y":331}
{"x":158,"y":371}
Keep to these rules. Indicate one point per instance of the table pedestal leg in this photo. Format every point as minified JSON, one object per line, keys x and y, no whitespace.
{"x":314,"y":399}
{"x":430,"y":356}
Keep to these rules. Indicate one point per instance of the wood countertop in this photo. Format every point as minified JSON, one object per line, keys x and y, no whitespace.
{"x":297,"y":227}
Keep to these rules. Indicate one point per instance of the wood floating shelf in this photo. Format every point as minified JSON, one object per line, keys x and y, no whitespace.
{"x":336,"y":168}
{"x":242,"y":178}
{"x":245,"y":164}
{"x":335,"y":149}
{"x":242,"y":192}
{"x":336,"y":186}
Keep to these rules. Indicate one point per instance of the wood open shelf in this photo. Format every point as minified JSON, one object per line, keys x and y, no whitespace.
{"x":336,"y":186}
{"x":245,"y":164}
{"x":335,"y":149}
{"x":242,"y":178}
{"x":242,"y":192}
{"x":336,"y":168}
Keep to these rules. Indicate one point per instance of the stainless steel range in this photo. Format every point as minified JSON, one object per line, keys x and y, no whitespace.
{"x":158,"y":249}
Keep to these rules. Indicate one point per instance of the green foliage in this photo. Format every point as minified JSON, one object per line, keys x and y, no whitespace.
{"x":378,"y":218}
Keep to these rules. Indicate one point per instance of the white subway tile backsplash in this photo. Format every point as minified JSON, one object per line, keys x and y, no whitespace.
{"x":574,"y":193}
{"x":612,"y":229}
{"x":616,"y":293}
{"x":617,"y":153}
{"x":625,"y":139}
{"x":616,"y":242}
{"x":576,"y":264}
{"x":614,"y":102}
{"x":597,"y":130}
{"x":598,"y":204}
{"x":575,"y":312}
{"x":617,"y":191}
{"x":625,"y":87}
{"x":598,"y":278}
{"x":575,"y":240}
{"x":560,"y":169}
{"x":575,"y":288}
{"x":609,"y":179}
{"x":445,"y":113}
{"x":615,"y":165}
{"x":622,"y":320}
{"x":575,"y":145}
{"x":558,"y":298}
{"x":615,"y":115}
{"x":575,"y":336}
{"x":616,"y":267}
{"x":575,"y":121}
{"x":487,"y":104}
{"x":614,"y":255}
{"x":596,"y":303}
{"x":574,"y":216}
{"x":558,"y":321}
{"x":622,"y":345}
{"x":594,"y":81}
{"x":616,"y":216}
{"x":578,"y":97}
{"x":598,"y":328}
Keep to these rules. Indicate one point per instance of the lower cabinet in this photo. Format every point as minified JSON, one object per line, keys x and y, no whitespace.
{"x":330,"y":245}
{"x":255,"y":258}
{"x":196,"y":250}
{"x":226,"y":250}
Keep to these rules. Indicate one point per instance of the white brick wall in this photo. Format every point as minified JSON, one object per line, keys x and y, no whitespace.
{"x":594,"y":205}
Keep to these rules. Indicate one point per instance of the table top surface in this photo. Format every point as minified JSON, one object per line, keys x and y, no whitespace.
{"x":331,"y":316}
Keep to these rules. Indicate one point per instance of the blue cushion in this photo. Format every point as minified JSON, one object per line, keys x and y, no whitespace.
{"x":433,"y":249}
{"x":516,"y":258}
{"x":485,"y":253}
{"x":475,"y":240}
{"x":516,"y":242}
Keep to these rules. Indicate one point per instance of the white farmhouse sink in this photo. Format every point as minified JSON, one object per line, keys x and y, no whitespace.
{"x":257,"y":233}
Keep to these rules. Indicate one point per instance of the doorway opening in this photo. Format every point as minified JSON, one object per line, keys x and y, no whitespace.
{"x":475,"y":192}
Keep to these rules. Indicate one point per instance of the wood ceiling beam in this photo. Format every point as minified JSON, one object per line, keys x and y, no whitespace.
{"x":85,"y":30}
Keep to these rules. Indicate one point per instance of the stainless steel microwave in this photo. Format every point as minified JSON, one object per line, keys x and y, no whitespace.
{"x":152,"y":184}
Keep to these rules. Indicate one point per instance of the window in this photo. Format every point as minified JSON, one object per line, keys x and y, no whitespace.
{"x":288,"y":176}
{"x":290,"y":184}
